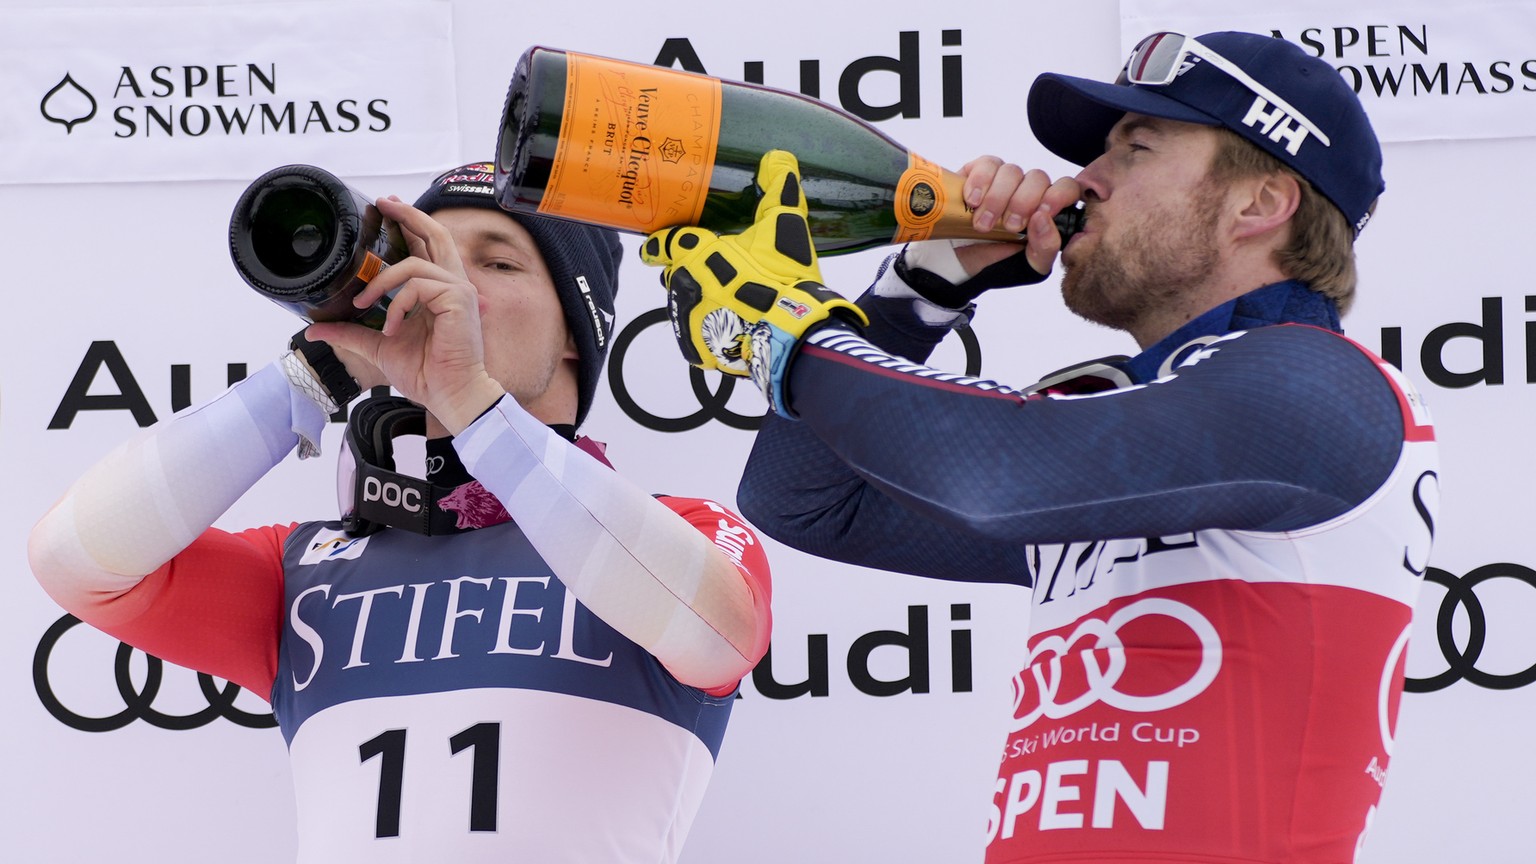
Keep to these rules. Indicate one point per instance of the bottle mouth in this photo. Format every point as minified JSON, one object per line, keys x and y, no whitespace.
{"x":293,"y":230}
{"x":291,"y":233}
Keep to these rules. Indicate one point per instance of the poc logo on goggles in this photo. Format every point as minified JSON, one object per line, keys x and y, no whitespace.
{"x":392,"y":494}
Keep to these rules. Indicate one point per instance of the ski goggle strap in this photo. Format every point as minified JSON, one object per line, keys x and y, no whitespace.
{"x":371,"y":494}
{"x":1159,"y":59}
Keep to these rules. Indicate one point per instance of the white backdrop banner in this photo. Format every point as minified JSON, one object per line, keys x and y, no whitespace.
{"x":213,"y":92}
{"x":873,"y":731}
{"x":1425,"y":70}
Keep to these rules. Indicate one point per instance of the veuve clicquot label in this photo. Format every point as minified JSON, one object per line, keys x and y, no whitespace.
{"x":636,"y":147}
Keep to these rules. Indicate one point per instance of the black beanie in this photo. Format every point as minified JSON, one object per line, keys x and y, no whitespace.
{"x":583,"y":261}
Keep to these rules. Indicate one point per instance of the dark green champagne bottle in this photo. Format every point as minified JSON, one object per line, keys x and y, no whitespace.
{"x":640,"y":148}
{"x":309,"y":243}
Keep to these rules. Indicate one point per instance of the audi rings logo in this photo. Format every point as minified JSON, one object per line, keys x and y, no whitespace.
{"x":1104,"y":664}
{"x":711,"y":401}
{"x":138,"y":703}
{"x":1462,"y":661}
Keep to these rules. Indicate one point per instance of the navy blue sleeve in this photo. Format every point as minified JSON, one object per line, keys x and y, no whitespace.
{"x":797,"y":490}
{"x":895,"y":326}
{"x":816,"y":502}
{"x":1275,"y":429}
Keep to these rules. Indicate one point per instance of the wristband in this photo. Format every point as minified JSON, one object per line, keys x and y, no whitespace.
{"x":940,"y":285}
{"x":939,"y":279}
{"x":318,"y":373}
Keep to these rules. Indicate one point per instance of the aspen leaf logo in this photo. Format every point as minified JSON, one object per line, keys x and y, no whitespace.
{"x":68,"y":104}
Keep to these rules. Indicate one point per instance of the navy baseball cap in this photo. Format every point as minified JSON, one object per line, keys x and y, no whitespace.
{"x":583,"y":262}
{"x":1291,"y":105}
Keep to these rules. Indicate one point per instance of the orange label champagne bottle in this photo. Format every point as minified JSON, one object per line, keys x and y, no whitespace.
{"x":639,"y":148}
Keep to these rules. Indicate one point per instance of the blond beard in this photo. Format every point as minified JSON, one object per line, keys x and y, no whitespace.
{"x":1153,"y":262}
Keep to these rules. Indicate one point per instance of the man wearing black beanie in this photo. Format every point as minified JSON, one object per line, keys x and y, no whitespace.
{"x":521,"y":600}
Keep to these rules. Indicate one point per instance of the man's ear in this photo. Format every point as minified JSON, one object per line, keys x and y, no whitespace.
{"x":1269,"y":201}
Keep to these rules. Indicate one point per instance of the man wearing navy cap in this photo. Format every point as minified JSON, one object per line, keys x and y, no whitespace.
{"x":1223,"y":535}
{"x":513,"y":655}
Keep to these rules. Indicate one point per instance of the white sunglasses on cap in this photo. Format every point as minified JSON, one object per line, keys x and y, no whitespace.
{"x":1158,"y":59}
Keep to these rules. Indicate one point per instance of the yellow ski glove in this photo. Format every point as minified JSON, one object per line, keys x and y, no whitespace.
{"x":740,"y":303}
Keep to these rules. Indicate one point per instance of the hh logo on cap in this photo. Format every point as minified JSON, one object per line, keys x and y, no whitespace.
{"x":1276,"y":124}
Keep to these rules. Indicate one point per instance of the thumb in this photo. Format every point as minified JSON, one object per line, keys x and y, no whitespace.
{"x":780,"y":237}
{"x":778,"y":176}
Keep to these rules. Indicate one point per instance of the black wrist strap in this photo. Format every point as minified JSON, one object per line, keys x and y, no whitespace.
{"x":333,"y":375}
{"x":1011,"y":271}
{"x":932,"y":287}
